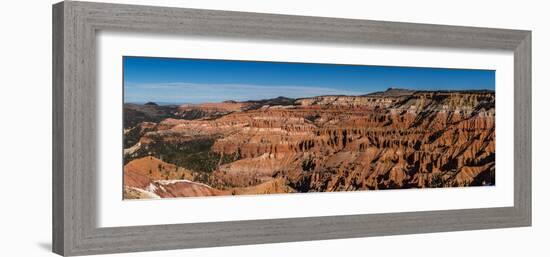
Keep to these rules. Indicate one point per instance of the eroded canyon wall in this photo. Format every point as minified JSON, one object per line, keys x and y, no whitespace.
{"x":392,"y":139}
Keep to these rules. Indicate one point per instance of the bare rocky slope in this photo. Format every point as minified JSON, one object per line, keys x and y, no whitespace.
{"x":392,"y":139}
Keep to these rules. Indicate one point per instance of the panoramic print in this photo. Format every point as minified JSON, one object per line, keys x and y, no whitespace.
{"x":197,"y":127}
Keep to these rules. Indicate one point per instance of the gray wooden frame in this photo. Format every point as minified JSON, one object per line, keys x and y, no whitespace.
{"x":74,"y":129}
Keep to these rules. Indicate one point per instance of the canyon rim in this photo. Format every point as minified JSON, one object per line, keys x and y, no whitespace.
{"x":196,"y":127}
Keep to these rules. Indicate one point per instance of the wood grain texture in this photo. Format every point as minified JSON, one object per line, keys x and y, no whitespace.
{"x":522,"y":128}
{"x":74,"y":126}
{"x":58,"y":218}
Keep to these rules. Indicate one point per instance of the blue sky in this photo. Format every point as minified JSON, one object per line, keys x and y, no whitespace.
{"x":171,"y":80}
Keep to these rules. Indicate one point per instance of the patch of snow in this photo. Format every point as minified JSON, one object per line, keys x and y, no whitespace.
{"x":132,"y":149}
{"x":163,"y":189}
{"x":151,"y":188}
{"x":174,"y":181}
{"x":151,"y":195}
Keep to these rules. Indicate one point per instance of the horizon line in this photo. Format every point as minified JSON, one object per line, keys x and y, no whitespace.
{"x":298,"y":98}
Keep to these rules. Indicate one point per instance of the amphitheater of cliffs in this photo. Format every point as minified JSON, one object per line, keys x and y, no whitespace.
{"x":395,"y":139}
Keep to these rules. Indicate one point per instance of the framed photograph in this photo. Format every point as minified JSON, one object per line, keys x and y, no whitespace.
{"x":183,"y":128}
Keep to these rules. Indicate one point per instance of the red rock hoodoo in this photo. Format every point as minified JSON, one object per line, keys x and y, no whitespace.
{"x":392,"y":139}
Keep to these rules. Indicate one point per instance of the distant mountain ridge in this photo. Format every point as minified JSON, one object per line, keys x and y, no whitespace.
{"x":396,"y":92}
{"x":136,"y":113}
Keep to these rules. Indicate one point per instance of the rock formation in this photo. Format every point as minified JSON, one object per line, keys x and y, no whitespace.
{"x":393,"y":139}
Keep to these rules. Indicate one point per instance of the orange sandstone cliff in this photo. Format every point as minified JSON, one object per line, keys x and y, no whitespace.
{"x":388,"y":140}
